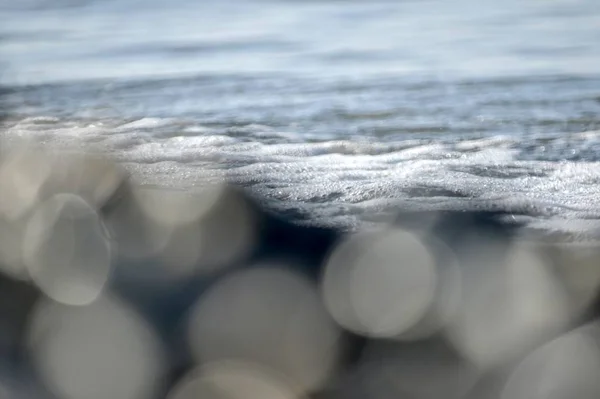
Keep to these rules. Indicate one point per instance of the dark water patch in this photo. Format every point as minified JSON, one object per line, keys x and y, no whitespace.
{"x":432,"y":191}
{"x":500,"y":172}
{"x":182,"y":49}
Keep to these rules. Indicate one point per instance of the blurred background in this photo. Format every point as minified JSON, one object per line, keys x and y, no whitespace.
{"x":130,"y":266}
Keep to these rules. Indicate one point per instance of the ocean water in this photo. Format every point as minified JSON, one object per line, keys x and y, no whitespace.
{"x":338,"y":112}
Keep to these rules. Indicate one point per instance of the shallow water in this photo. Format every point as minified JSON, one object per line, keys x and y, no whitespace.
{"x":336,"y":111}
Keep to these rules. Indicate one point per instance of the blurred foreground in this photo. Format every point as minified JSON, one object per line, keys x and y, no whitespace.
{"x":111,"y":289}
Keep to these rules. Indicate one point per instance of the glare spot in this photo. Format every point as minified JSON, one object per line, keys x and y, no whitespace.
{"x":232,"y":380}
{"x":175,"y":207}
{"x":23,"y":173}
{"x":271,"y":317}
{"x":11,"y":243}
{"x":103,"y":350}
{"x":446,"y":300}
{"x":576,"y":266}
{"x":420,"y":370}
{"x":135,"y":234}
{"x":95,"y":179}
{"x":189,"y":232}
{"x":507,"y":304}
{"x":567,"y":367}
{"x":380,"y":284}
{"x":66,"y":251}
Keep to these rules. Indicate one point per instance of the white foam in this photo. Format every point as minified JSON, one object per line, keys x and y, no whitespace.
{"x":346,"y":180}
{"x":144,"y":123}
